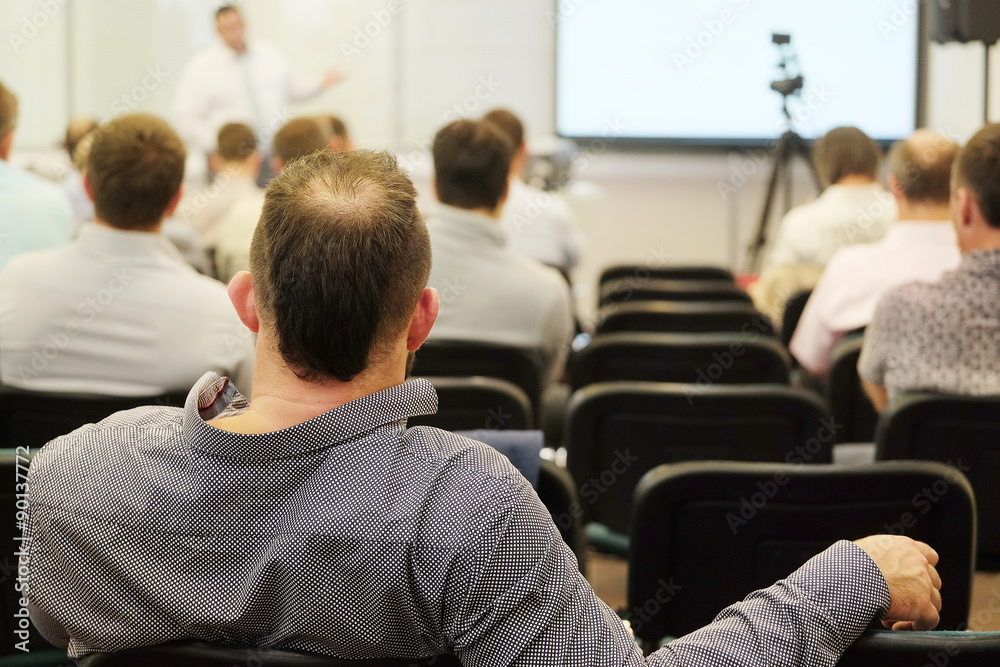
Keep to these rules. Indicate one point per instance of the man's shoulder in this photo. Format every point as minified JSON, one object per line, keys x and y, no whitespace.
{"x":912,"y":300}
{"x":38,"y":265}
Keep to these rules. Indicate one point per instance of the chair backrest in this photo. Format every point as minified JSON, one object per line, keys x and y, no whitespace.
{"x":963,"y":431}
{"x":725,"y":358}
{"x":714,"y":532}
{"x":32,"y":418}
{"x":466,"y":403}
{"x":616,"y":431}
{"x":684,"y":317}
{"x":201,"y":654}
{"x":445,"y":358}
{"x":637,"y":272}
{"x":851,"y":407}
{"x":557,"y":491}
{"x":658,"y":289}
{"x":792,"y":313}
{"x":937,"y":649}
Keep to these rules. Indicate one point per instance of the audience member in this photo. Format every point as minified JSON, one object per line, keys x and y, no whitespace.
{"x":118,"y":311}
{"x":488,"y":292}
{"x":945,"y":336}
{"x":313,"y":519}
{"x":77,"y":133}
{"x":236,"y":164}
{"x":34,"y":214}
{"x":921,"y":246}
{"x":336,"y":129}
{"x":539,"y":224}
{"x":853,"y":208}
{"x":298,"y":137}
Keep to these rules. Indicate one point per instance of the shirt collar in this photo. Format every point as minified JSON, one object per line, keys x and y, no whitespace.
{"x":923,"y":231}
{"x":981,"y":261}
{"x":127,"y":247}
{"x":468,"y":224}
{"x":215,"y":396}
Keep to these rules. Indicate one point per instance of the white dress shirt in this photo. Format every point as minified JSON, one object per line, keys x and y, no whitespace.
{"x":116,"y":313}
{"x":219,"y":86}
{"x":843,"y":215}
{"x":493,"y":295}
{"x":205,"y":209}
{"x":541,"y":225}
{"x":857,"y":277}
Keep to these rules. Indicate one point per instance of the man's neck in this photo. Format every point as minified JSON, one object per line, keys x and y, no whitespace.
{"x":488,"y":212}
{"x":154,"y":229}
{"x":242,"y":170}
{"x":855,"y":180}
{"x":917,"y":212}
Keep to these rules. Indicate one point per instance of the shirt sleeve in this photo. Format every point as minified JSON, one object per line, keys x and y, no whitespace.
{"x":190,"y":109}
{"x":812,"y":342}
{"x":881,"y":336}
{"x":526,"y":603}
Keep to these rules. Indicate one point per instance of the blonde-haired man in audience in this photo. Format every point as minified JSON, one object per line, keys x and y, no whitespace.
{"x":296,"y":138}
{"x":34,"y":214}
{"x":921,"y":246}
{"x":236,"y":164}
{"x":945,"y":336}
{"x":118,"y":311}
{"x":539,"y":224}
{"x":313,"y":519}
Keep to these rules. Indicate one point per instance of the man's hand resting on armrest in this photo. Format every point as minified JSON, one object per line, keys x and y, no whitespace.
{"x":914,"y":583}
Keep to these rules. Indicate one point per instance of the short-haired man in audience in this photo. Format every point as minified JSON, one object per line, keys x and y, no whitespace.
{"x":853,"y":208}
{"x":488,"y":292}
{"x":921,"y":246}
{"x":72,"y":184}
{"x":539,"y":224}
{"x":236,"y":164}
{"x":296,"y":138}
{"x":34,"y":214}
{"x":118,"y":311}
{"x":340,"y":139}
{"x":313,"y":519}
{"x":945,"y":336}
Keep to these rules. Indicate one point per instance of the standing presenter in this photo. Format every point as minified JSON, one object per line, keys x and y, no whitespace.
{"x":239,"y":81}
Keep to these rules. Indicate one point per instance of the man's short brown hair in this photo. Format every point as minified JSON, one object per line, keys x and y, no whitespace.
{"x":236,"y":142}
{"x":846,"y":151}
{"x":471,"y":164}
{"x":339,"y":259}
{"x":978,"y":169}
{"x":77,"y":129}
{"x":135,"y":168}
{"x":299,"y":137}
{"x":509,"y":123}
{"x":923,"y":167}
{"x":8,"y":111}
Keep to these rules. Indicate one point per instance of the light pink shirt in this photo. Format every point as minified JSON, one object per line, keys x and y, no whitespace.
{"x":858,"y":276}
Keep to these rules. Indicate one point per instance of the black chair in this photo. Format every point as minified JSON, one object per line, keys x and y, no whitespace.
{"x":32,"y":418}
{"x":792,"y":314}
{"x":617,"y":431}
{"x":638,"y":272}
{"x":851,"y":407}
{"x":470,"y":403}
{"x":725,"y":358}
{"x":684,"y":317}
{"x":722,"y":530}
{"x":935,"y":649}
{"x":557,"y":491}
{"x":441,"y":358}
{"x":657,"y":289}
{"x":200,"y":654}
{"x":963,"y":431}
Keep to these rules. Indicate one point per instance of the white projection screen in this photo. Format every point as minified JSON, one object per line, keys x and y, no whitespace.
{"x":684,"y":72}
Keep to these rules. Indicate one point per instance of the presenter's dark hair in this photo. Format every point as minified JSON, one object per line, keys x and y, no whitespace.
{"x":8,"y":110}
{"x":978,"y":169}
{"x":228,"y":7}
{"x":846,"y":151}
{"x":339,"y":259}
{"x":135,"y":167}
{"x":471,"y":163}
{"x":509,"y":123}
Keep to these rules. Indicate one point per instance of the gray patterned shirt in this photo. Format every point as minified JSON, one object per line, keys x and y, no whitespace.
{"x":351,"y":535}
{"x":943,"y":336}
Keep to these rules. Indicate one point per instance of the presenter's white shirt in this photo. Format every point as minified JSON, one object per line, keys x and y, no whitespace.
{"x":541,"y":225}
{"x":857,"y":277}
{"x":116,"y":313}
{"x":843,"y":215}
{"x":490,"y":294}
{"x":219,"y":86}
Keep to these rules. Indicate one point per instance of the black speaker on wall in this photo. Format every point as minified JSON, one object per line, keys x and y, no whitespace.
{"x":965,"y":20}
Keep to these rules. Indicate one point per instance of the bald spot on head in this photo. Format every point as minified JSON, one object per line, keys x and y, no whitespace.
{"x":922,"y":165}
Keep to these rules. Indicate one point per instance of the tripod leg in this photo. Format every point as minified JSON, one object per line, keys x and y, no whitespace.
{"x":760,"y":239}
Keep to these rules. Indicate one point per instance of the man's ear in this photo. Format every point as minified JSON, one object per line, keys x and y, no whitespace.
{"x":423,"y":319}
{"x":965,"y":207}
{"x":242,"y":296}
{"x":894,"y":186}
{"x":174,"y":201}
{"x":216,"y":163}
{"x":87,"y":187}
{"x":6,"y":143}
{"x":277,"y":164}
